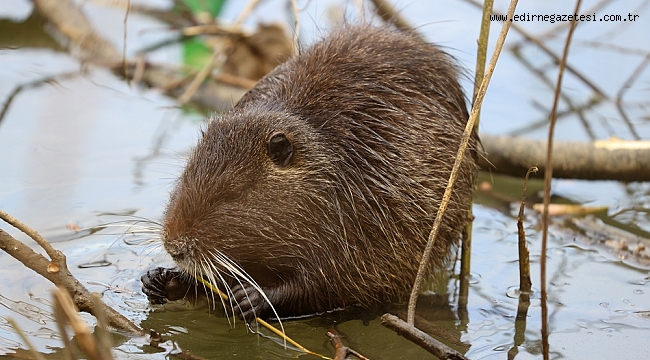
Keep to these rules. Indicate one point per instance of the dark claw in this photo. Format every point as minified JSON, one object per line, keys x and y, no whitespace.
{"x":162,"y":284}
{"x":250,"y":302}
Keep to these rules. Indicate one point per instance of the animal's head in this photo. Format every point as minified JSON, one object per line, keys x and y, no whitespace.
{"x":254,"y":194}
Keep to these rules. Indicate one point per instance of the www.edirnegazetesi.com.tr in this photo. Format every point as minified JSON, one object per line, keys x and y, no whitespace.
{"x":552,"y":18}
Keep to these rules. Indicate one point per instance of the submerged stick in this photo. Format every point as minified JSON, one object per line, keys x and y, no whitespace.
{"x":525,"y":283}
{"x":425,"y":341}
{"x":341,"y":351}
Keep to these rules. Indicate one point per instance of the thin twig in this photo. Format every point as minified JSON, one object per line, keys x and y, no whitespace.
{"x":340,"y":350}
{"x":126,"y":18}
{"x":53,"y":253}
{"x":280,"y":333}
{"x":481,"y":53}
{"x":296,"y":26}
{"x":234,"y":80}
{"x":252,"y":4}
{"x":591,"y":102}
{"x":469,"y":129}
{"x":626,"y":86}
{"x":196,"y":83}
{"x":288,"y":339}
{"x":32,"y":84}
{"x":548,"y":176}
{"x":389,"y":15}
{"x":23,"y":337}
{"x":200,"y":77}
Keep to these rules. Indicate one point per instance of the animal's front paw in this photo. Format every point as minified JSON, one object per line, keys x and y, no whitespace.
{"x":162,"y":284}
{"x":250,"y":303}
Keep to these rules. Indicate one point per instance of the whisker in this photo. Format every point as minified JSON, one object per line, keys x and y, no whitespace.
{"x":239,"y":272}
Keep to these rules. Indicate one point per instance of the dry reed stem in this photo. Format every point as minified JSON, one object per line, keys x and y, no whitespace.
{"x":194,"y":86}
{"x":296,"y":26}
{"x":23,"y":337}
{"x":252,"y":4}
{"x":481,"y":53}
{"x":469,"y":128}
{"x":104,"y":342}
{"x":288,"y":339}
{"x":386,"y":12}
{"x":359,"y":5}
{"x":83,"y":335}
{"x":69,"y":349}
{"x":466,"y":245}
{"x":548,"y":175}
{"x":126,"y":17}
{"x":525,"y":283}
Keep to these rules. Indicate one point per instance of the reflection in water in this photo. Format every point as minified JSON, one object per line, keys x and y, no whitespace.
{"x":28,"y":310}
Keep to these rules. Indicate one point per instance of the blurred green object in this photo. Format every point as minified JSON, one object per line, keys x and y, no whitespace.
{"x":195,"y":51}
{"x":210,"y":6}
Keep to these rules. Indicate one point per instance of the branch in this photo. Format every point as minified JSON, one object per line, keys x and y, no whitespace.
{"x":600,"y":160}
{"x":56,"y":271}
{"x":425,"y":341}
{"x":79,"y":36}
{"x":390,"y":16}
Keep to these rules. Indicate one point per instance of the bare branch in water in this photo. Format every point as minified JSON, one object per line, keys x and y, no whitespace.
{"x":425,"y":341}
{"x":56,"y":271}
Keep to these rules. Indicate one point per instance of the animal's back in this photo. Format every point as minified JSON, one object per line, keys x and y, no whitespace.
{"x":392,"y":112}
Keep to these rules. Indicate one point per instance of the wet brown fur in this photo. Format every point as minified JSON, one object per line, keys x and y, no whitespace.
{"x":375,"y":117}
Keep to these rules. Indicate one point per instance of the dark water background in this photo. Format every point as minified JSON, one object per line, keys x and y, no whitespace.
{"x":90,"y":150}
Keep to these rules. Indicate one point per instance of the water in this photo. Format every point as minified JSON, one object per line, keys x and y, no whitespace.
{"x":91,"y":151}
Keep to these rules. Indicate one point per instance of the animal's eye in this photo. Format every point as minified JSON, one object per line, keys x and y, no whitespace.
{"x":233,"y":193}
{"x":280,"y":149}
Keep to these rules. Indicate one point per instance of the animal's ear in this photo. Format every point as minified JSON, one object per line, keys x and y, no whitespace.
{"x":280,"y":149}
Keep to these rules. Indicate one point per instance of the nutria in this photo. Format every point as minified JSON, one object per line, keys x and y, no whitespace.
{"x":319,"y":189}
